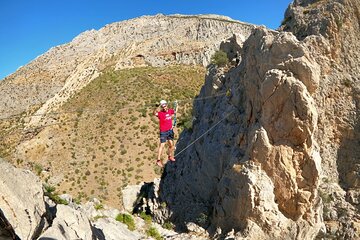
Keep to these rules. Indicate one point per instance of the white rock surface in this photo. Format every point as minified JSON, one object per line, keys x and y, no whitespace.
{"x":68,"y":224}
{"x":110,"y":229}
{"x":129,"y":196}
{"x":21,"y":200}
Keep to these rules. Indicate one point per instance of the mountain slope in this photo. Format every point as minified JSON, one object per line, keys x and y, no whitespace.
{"x":105,"y":136}
{"x":158,"y":40}
{"x":79,"y":115}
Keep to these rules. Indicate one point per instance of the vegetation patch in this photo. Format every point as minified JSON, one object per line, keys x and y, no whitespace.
{"x":220,"y":58}
{"x":127,"y":219}
{"x":50,"y":192}
{"x":153,"y":232}
{"x":146,"y":218}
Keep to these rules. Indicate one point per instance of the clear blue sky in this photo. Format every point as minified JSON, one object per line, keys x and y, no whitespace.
{"x":29,"y":28}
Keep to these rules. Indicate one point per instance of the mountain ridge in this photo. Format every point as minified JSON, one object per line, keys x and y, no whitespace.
{"x":118,"y":49}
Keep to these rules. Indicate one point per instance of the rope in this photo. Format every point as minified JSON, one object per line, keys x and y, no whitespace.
{"x":204,"y":133}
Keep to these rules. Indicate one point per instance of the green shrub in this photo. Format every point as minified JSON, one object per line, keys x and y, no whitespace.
{"x":98,"y":217}
{"x":77,"y":200}
{"x":38,"y":169}
{"x":49,"y":191}
{"x":326,"y":198}
{"x":126,"y":219}
{"x":123,"y":151}
{"x":219,"y":58}
{"x":186,"y":121}
{"x":57,"y":199}
{"x":146,"y":218}
{"x":98,"y":206}
{"x":153,"y":232}
{"x":158,"y":170}
{"x":48,"y":188}
{"x":168,"y":225}
{"x":202,"y":218}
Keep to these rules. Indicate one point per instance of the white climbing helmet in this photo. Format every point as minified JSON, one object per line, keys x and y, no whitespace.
{"x":163,"y":103}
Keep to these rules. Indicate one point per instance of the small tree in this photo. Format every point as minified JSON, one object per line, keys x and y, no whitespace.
{"x":220,"y":58}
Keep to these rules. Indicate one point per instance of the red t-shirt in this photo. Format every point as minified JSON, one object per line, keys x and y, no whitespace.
{"x":165,"y":119}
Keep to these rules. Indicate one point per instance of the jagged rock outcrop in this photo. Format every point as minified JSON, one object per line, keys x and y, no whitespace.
{"x":259,"y":169}
{"x":280,"y":142}
{"x":49,"y":80}
{"x":24,"y":215}
{"x":337,"y":102}
{"x":22,"y":207}
{"x":68,"y":224}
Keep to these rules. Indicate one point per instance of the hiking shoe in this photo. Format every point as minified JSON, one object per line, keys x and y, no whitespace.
{"x":159,"y":163}
{"x":171,"y":159}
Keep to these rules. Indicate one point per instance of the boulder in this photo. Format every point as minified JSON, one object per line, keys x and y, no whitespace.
{"x":22,"y":207}
{"x":68,"y":224}
{"x":110,"y":229}
{"x":129,"y":196}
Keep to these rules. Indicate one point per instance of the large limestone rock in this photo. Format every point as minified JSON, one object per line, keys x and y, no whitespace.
{"x":284,"y":140}
{"x":337,"y":102}
{"x":68,"y":224}
{"x":258,"y":170}
{"x":23,"y":214}
{"x":110,"y":229}
{"x":22,"y":207}
{"x":129,"y":196}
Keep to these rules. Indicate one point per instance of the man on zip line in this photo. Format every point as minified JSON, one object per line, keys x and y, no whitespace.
{"x":165,"y":116}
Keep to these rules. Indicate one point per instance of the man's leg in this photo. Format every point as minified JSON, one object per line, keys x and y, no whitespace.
{"x":171,"y":150}
{"x":160,"y":150}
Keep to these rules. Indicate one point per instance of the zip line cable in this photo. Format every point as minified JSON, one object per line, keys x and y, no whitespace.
{"x":197,"y":139}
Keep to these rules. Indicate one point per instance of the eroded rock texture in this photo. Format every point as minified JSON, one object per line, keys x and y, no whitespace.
{"x":276,"y":139}
{"x":22,"y":207}
{"x":259,"y":168}
{"x":337,"y":99}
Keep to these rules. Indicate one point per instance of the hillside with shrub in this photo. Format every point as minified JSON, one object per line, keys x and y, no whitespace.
{"x":105,"y":137}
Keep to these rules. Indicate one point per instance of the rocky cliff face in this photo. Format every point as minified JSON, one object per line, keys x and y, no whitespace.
{"x":53,"y":77}
{"x":337,"y":102}
{"x":259,"y":169}
{"x":272,"y":137}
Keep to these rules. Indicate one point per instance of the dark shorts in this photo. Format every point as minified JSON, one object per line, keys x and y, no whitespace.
{"x":168,"y":135}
